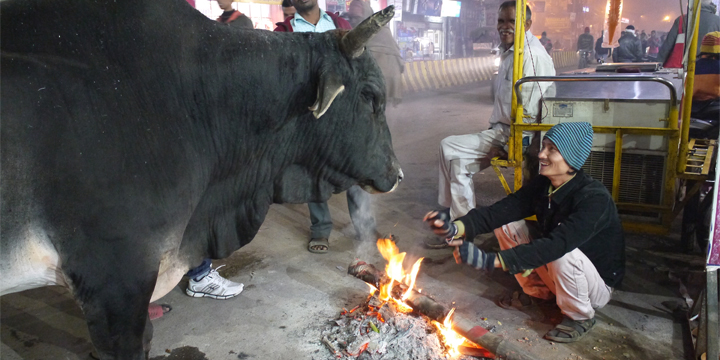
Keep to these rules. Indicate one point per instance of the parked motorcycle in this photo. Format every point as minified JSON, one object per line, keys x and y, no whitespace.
{"x":584,"y":58}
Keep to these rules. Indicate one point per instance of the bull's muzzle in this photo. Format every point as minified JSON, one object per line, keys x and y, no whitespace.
{"x":372,"y":189}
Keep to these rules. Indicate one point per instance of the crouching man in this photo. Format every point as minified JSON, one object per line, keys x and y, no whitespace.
{"x":576,"y":252}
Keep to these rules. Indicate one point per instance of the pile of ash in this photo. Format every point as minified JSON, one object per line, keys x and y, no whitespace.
{"x":378,"y":330}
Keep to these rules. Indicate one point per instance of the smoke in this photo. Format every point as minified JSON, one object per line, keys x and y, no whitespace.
{"x":362,"y":215}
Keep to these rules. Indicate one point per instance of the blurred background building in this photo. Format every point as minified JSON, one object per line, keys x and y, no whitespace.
{"x":446,"y":29}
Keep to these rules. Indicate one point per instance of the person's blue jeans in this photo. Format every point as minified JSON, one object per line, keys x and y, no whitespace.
{"x":361,"y":214}
{"x":200,"y":271}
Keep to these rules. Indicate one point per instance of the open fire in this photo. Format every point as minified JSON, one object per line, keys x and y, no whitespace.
{"x":396,"y":273}
{"x":393,"y":297}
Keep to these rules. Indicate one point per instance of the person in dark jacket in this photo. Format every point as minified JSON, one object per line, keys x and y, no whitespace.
{"x":630,"y":49}
{"x":709,"y":22}
{"x":601,"y":53}
{"x":233,"y":17}
{"x":576,"y":253}
{"x":546,"y":42}
{"x":585,"y":41}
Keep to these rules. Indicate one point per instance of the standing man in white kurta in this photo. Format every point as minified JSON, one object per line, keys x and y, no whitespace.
{"x":463,"y":155}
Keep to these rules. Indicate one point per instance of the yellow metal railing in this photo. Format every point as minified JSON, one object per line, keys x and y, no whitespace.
{"x":689,"y":84}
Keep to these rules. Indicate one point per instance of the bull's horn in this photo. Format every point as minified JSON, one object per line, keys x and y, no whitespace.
{"x":329,"y":87}
{"x":353,"y":43}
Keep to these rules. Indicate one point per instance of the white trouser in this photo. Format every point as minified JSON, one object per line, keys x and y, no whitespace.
{"x":577,"y":286}
{"x":461,"y":156}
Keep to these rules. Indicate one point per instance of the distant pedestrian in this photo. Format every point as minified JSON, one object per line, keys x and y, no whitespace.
{"x":288,"y":9}
{"x":233,"y":17}
{"x":585,"y":41}
{"x":630,"y":48}
{"x":653,"y":44}
{"x":384,"y":50}
{"x":429,"y":50}
{"x":546,"y":42}
{"x":644,"y":41}
{"x":601,"y":53}
{"x":557,"y":45}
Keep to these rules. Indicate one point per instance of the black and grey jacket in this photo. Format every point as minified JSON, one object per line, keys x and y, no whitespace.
{"x":630,"y":49}
{"x":581,"y":214}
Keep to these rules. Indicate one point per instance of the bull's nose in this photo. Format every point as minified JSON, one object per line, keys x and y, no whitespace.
{"x":400,"y":175}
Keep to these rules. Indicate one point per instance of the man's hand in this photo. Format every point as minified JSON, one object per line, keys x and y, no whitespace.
{"x":467,"y":253}
{"x":440,"y":224}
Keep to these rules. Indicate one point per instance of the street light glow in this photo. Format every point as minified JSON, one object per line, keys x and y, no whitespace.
{"x":666,"y":18}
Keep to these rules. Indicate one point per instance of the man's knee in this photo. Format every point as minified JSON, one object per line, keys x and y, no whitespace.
{"x":449,"y":143}
{"x":565,"y":266}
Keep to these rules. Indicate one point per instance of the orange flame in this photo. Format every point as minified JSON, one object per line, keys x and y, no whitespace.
{"x":396,"y":273}
{"x":451,"y":339}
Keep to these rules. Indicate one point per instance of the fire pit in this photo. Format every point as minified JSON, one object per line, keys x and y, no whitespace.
{"x":379,"y":329}
{"x":398,"y":322}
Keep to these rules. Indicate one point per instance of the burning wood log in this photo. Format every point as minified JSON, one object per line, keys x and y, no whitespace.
{"x":424,"y":305}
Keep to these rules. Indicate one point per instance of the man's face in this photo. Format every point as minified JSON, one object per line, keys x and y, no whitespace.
{"x":304,"y":5}
{"x":552,"y":164}
{"x":225,"y":4}
{"x":506,"y":25}
{"x":289,"y":11}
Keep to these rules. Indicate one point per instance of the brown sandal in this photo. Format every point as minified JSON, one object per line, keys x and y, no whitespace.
{"x":318,"y":245}
{"x":570,"y":330}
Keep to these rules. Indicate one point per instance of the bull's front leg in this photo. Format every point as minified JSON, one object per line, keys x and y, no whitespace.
{"x":115,"y":302}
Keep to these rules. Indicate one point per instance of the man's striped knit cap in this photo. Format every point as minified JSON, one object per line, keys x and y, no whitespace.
{"x":574,"y":141}
{"x":711,"y":43}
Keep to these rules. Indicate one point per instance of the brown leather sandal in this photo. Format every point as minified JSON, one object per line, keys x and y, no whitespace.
{"x":570,"y":330}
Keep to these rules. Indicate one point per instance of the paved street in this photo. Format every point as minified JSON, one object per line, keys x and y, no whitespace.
{"x":291,"y":292}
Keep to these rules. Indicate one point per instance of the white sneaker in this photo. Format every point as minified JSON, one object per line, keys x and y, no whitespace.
{"x":214,"y":286}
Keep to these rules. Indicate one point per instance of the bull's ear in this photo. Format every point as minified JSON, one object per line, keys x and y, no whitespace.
{"x":329,"y":87}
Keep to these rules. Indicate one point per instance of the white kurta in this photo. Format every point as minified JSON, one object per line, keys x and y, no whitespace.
{"x":461,"y":156}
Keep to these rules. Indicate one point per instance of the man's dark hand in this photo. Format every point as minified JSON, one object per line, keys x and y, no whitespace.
{"x":440,"y":224}
{"x":468,"y":253}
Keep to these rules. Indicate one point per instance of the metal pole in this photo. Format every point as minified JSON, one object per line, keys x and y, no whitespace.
{"x":516,"y":110}
{"x":688,"y":93}
{"x":519,"y":48}
{"x":617,"y":167}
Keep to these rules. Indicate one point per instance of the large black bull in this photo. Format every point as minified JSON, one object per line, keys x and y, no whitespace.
{"x":139,"y":137}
